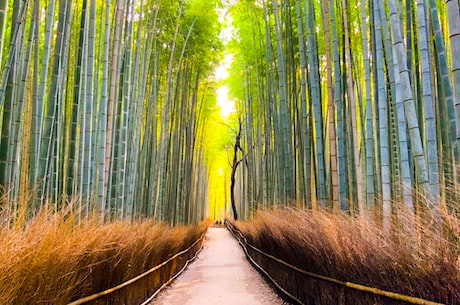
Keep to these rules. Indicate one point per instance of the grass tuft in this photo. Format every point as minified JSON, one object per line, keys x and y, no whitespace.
{"x":55,"y":260}
{"x":421,"y":264}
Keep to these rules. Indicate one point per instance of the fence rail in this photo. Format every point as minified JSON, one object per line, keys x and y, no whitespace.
{"x":130,"y":283}
{"x":347,"y":285}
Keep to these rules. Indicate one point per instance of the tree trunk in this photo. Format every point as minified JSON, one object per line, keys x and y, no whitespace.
{"x":235,"y":163}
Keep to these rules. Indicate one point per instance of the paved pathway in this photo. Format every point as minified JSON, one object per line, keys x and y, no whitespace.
{"x":220,"y":275}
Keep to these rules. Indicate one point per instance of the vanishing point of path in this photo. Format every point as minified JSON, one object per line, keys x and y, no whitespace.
{"x":220,"y":275}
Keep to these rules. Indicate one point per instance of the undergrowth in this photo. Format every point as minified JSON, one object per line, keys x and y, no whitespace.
{"x":419,"y":263}
{"x":54,"y":259}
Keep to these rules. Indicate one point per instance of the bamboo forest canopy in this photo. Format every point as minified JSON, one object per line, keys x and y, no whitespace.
{"x":106,"y":103}
{"x":348,"y":105}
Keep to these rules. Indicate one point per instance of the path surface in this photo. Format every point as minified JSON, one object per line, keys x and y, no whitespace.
{"x":220,"y":275}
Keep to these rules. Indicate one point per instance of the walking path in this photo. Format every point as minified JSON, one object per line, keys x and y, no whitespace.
{"x":220,"y":275}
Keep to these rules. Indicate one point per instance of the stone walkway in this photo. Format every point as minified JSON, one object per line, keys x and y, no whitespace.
{"x":220,"y":275}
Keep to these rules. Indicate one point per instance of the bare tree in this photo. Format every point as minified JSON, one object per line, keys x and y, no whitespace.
{"x":234,"y":164}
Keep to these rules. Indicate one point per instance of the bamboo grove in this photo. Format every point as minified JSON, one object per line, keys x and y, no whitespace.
{"x":105,"y":103}
{"x":350,"y":105}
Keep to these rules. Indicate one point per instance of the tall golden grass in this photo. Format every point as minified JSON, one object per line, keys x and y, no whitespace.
{"x":422,"y":264}
{"x":54,"y":259}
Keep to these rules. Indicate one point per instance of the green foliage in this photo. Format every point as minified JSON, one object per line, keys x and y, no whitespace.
{"x":256,"y":83}
{"x":143,"y":109}
{"x":108,"y":110}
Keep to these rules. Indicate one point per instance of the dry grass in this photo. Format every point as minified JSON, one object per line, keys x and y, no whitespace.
{"x":424,"y":265}
{"x":54,"y":261}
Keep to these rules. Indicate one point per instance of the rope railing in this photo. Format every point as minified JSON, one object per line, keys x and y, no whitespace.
{"x":172,"y":278}
{"x":359,"y":287}
{"x":109,"y":291}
